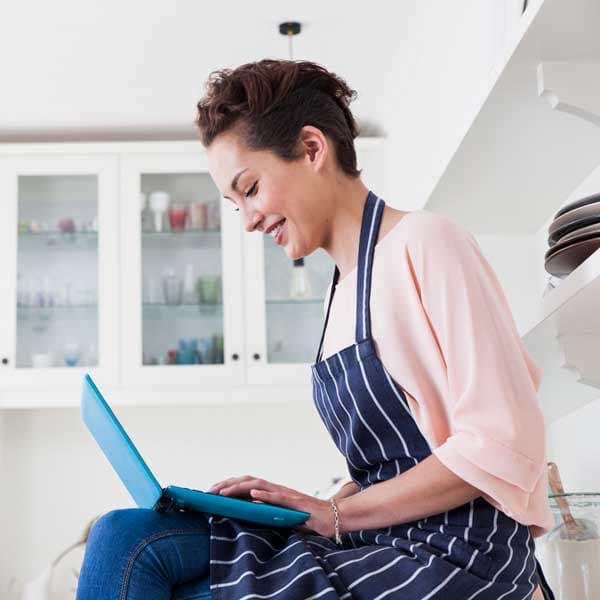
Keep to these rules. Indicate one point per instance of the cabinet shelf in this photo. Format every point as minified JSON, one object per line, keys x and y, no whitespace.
{"x":565,"y":342}
{"x":44,"y":240}
{"x":48,"y":313}
{"x":185,"y":311}
{"x":181,"y":240}
{"x":497,"y":178}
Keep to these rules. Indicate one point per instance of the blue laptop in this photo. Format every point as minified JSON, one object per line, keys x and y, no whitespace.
{"x":145,"y":489}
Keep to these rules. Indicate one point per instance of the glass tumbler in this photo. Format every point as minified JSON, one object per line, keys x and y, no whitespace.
{"x":173,"y":288}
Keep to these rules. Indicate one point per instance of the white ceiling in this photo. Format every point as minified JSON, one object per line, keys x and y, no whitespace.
{"x":132,"y":68}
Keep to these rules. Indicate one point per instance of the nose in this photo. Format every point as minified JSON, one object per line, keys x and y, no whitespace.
{"x":253,"y":220}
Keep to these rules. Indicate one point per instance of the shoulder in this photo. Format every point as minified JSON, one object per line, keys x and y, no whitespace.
{"x":429,"y":226}
{"x":423,"y":231}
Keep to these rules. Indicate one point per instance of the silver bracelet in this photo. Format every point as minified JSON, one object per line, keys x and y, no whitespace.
{"x":338,"y":539}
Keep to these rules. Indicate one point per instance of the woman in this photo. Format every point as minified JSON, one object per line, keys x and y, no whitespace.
{"x":425,"y":387}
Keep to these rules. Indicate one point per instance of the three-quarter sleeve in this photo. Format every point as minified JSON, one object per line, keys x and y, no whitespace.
{"x":496,"y":438}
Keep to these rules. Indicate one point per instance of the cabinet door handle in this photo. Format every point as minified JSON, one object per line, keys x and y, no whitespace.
{"x":5,"y":361}
{"x":235,"y":356}
{"x":256,"y":356}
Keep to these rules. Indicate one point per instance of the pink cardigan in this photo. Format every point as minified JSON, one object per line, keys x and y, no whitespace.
{"x":443,"y":329}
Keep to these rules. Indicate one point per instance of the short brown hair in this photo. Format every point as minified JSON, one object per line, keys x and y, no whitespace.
{"x":269,"y":101}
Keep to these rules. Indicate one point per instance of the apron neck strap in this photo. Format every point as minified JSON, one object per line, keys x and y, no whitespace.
{"x":369,"y":231}
{"x":336,"y":276}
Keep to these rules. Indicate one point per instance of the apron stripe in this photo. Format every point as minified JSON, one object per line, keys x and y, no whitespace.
{"x":501,"y":569}
{"x":354,"y":442}
{"x":518,"y":575}
{"x":358,"y":412}
{"x":400,"y":397}
{"x":381,"y":410}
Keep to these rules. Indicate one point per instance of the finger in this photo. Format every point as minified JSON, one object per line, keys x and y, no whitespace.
{"x":244,"y":487}
{"x":278,"y":498}
{"x":214,"y":489}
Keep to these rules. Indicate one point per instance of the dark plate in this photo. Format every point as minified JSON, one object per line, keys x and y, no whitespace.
{"x":579,"y":234}
{"x":578,"y":203}
{"x":564,"y":261}
{"x":566,"y":243}
{"x":572,"y":220}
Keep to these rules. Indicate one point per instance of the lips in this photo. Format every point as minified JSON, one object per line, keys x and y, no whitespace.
{"x":270,"y":229}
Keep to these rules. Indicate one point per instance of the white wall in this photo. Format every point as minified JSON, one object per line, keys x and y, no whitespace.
{"x":445,"y":57}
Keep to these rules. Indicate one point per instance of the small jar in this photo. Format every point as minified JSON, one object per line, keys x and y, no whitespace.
{"x":177,"y":216}
{"x":198,"y":216}
{"x":572,"y":567}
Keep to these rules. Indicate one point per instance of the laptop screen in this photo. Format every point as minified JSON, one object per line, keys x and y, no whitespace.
{"x":118,"y":448}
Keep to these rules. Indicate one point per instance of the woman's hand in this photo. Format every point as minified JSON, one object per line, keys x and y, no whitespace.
{"x":248,"y":487}
{"x":348,"y":489}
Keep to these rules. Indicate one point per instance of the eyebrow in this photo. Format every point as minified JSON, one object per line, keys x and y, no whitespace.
{"x":234,"y":182}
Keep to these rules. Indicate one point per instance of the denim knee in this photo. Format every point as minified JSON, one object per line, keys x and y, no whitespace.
{"x":132,"y":523}
{"x":125,"y":527}
{"x":128,"y":537}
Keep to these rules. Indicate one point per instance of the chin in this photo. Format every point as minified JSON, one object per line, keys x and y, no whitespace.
{"x":296,"y":253}
{"x":292,"y":254}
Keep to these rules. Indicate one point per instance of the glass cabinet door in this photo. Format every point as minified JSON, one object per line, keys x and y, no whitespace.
{"x":294,"y":296}
{"x":285,"y":319}
{"x":185,"y":296}
{"x":55,"y":263}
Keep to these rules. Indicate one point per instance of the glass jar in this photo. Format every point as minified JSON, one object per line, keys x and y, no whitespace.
{"x":572,"y":567}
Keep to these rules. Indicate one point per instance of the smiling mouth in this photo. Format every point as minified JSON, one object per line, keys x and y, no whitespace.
{"x":275,"y":229}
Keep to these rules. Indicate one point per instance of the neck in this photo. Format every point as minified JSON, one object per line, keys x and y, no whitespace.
{"x":344,"y":221}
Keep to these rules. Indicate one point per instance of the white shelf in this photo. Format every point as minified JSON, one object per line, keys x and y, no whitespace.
{"x":519,"y":159}
{"x":568,"y":336}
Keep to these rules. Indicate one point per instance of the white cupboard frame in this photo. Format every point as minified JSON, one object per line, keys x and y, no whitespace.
{"x":134,"y":373}
{"x":106,"y":170}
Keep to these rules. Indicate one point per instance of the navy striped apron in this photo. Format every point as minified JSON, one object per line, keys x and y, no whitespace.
{"x":473,"y":551}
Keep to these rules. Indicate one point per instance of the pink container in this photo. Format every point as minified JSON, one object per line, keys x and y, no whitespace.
{"x":177,"y":217}
{"x":198,"y":215}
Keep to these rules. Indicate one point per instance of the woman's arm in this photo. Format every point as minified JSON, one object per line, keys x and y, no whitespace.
{"x":428,"y":488}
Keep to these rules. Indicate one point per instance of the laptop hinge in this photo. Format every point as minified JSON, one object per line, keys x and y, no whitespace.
{"x":164,"y":503}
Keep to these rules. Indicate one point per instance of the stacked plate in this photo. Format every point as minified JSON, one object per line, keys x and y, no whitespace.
{"x":573,"y":235}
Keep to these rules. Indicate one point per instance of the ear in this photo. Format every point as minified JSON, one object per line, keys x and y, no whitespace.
{"x":315,"y":146}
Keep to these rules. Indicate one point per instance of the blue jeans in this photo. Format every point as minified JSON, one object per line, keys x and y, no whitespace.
{"x":138,"y":553}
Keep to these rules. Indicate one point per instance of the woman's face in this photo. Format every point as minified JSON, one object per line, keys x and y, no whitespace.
{"x":272,"y":192}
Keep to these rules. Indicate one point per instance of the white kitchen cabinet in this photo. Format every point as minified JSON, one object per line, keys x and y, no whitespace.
{"x":145,"y":305}
{"x":182,"y":290}
{"x":59,"y":256}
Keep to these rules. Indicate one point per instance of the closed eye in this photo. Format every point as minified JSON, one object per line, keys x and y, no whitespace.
{"x":252,"y":190}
